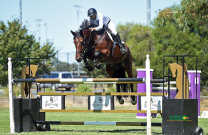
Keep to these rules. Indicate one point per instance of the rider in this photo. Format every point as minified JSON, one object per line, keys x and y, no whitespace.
{"x":101,"y":20}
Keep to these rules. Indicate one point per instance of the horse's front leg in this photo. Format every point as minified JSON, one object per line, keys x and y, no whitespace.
{"x":96,"y":61}
{"x":87,"y":66}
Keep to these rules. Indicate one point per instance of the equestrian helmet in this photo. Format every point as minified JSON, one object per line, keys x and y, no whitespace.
{"x":91,"y":12}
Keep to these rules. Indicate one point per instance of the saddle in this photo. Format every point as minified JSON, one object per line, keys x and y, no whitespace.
{"x":110,"y":34}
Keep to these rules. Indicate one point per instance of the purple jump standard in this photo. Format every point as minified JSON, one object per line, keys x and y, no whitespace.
{"x":141,"y":87}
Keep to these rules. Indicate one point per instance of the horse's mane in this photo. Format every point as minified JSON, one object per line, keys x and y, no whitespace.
{"x":87,"y":24}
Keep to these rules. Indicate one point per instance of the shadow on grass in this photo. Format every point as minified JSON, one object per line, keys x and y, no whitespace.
{"x":138,"y":131}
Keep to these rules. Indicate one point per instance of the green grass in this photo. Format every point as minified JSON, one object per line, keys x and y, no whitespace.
{"x":1,"y":87}
{"x":93,"y":129}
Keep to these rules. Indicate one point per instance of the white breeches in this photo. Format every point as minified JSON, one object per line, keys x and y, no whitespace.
{"x":112,"y":27}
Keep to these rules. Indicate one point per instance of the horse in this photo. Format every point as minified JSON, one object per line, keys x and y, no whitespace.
{"x":98,"y":46}
{"x":177,"y":71}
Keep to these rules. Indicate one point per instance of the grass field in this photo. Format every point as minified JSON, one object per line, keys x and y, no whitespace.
{"x":93,"y":129}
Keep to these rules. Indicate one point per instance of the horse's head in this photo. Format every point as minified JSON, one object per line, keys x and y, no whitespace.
{"x":82,"y":37}
{"x":79,"y":45}
{"x":173,"y":69}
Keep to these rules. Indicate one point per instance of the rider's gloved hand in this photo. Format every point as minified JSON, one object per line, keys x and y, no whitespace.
{"x":92,"y":29}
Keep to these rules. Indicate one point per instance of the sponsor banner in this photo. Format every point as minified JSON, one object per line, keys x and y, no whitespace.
{"x":156,"y":103}
{"x":100,"y":102}
{"x":51,"y":102}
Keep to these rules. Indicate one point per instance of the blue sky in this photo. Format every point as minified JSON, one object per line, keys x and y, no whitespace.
{"x":61,"y":17}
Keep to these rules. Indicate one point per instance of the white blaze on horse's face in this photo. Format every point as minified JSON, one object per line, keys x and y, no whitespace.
{"x":79,"y":47}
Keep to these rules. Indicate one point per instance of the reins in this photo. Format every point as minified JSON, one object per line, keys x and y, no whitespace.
{"x":96,"y":42}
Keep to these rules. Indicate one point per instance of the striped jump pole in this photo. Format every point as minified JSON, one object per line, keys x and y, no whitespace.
{"x":11,"y":104}
{"x":166,"y":88}
{"x":101,"y":94}
{"x":148,"y":95}
{"x":99,"y":111}
{"x":97,"y":123}
{"x":92,"y":80}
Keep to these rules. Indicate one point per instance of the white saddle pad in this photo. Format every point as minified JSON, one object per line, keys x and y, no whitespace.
{"x":112,"y":37}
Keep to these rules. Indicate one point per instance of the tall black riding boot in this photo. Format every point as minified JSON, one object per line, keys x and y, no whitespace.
{"x":122,"y":47}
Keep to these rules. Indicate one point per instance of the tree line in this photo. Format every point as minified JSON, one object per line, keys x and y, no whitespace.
{"x":176,"y":30}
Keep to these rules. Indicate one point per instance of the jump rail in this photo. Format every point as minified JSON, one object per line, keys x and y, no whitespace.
{"x":113,"y":94}
{"x":91,"y":80}
{"x":97,"y":123}
{"x":100,"y":111}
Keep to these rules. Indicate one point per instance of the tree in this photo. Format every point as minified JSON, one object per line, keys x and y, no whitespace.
{"x":139,"y":40}
{"x":62,"y":66}
{"x":15,"y":42}
{"x":183,"y":30}
{"x":177,"y":30}
{"x":190,"y":15}
{"x":169,"y":40}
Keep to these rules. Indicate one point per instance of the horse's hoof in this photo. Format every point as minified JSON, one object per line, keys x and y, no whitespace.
{"x":134,"y":102}
{"x":121,"y":101}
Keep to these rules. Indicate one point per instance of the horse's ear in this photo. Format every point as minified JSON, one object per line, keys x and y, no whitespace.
{"x":74,"y":33}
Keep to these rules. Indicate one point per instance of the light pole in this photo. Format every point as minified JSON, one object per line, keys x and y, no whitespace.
{"x":149,"y":130}
{"x":78,"y":6}
{"x":148,"y":12}
{"x":20,"y":13}
{"x":39,"y":20}
{"x":46,"y":30}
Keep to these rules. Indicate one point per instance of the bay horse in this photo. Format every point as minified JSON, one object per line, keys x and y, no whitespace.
{"x":98,"y":46}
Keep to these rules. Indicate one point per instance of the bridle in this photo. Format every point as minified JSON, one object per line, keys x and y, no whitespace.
{"x":87,"y":42}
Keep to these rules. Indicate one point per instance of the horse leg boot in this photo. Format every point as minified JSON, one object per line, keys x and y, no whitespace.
{"x":121,"y":45}
{"x":97,"y":54}
{"x":87,"y":66}
{"x":133,"y":98}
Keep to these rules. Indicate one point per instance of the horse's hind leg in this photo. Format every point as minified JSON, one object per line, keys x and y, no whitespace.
{"x":114,"y":74}
{"x":128,"y":68}
{"x":120,"y":99}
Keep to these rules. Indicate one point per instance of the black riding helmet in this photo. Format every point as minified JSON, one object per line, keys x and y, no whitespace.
{"x":91,"y":12}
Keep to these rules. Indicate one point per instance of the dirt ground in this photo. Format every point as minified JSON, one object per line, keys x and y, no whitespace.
{"x":204,"y":104}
